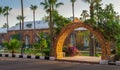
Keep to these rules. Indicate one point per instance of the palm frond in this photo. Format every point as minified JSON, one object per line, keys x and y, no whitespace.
{"x":87,"y":1}
{"x":73,"y":1}
{"x":45,"y":4}
{"x":0,"y":10}
{"x":59,"y":4}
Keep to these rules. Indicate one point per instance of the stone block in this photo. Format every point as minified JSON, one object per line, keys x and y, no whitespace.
{"x":105,"y":62}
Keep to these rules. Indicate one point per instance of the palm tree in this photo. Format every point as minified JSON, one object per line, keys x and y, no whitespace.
{"x":19,"y":17}
{"x":84,"y":14}
{"x":6,"y":13}
{"x":33,"y":8}
{"x":50,"y":6}
{"x":22,"y":14}
{"x":92,"y":6}
{"x":0,"y":10}
{"x":73,"y":34}
{"x":92,"y":2}
{"x":5,"y":25}
{"x":73,"y":2}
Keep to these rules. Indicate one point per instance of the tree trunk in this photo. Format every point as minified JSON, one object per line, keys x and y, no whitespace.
{"x":22,"y":25}
{"x":91,"y":11}
{"x":34,"y":26}
{"x":92,"y":45}
{"x":73,"y":34}
{"x":51,"y":24}
{"x":13,"y":52}
{"x":73,"y":11}
{"x":7,"y":22}
{"x":34,"y":18}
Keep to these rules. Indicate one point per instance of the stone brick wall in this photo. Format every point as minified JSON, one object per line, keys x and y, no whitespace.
{"x":31,"y":33}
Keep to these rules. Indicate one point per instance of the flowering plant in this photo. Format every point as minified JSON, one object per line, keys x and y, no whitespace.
{"x":71,"y":51}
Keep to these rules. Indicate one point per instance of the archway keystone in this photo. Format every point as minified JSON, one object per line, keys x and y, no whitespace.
{"x":105,"y":45}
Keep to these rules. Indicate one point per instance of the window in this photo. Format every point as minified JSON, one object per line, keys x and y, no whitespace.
{"x":29,"y":25}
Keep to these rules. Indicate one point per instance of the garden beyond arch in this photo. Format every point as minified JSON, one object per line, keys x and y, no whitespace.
{"x":105,"y":45}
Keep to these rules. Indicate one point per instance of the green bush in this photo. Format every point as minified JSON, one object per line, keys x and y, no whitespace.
{"x":117,"y":57}
{"x":46,"y":52}
{"x":36,"y":46}
{"x":13,"y":45}
{"x":118,"y":50}
{"x":97,"y":55}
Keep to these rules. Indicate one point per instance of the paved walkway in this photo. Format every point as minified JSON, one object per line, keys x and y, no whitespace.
{"x":83,"y":59}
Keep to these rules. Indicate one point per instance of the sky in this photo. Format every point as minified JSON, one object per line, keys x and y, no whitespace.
{"x":65,"y":10}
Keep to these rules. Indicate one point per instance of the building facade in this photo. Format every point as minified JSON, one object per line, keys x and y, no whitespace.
{"x":29,"y":34}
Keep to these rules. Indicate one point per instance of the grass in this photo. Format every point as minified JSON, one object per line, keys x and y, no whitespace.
{"x":30,"y":51}
{"x":86,"y":53}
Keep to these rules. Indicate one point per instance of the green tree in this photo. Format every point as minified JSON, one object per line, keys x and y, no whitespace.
{"x":13,"y":45}
{"x":93,"y":23}
{"x":92,"y":5}
{"x":6,"y":13}
{"x":108,"y":24}
{"x":118,"y":45}
{"x":22,"y":14}
{"x":33,"y":8}
{"x":45,"y":18}
{"x":84,"y":14}
{"x":42,"y":44}
{"x":49,"y":6}
{"x":0,"y":10}
{"x":19,"y":18}
{"x":16,"y":36}
{"x":73,"y":2}
{"x":5,"y":25}
{"x":59,"y":21}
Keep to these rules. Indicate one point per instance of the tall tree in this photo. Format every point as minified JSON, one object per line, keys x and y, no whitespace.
{"x":58,"y":19}
{"x":22,"y":14}
{"x":6,"y":13}
{"x":0,"y":10}
{"x":84,"y":14}
{"x":92,"y":4}
{"x":19,"y":18}
{"x":5,"y":25}
{"x":50,"y":6}
{"x":73,"y":2}
{"x":92,"y":20}
{"x":73,"y":34}
{"x":33,"y":8}
{"x":109,"y":25}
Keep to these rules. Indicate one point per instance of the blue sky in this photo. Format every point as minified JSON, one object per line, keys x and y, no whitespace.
{"x":64,"y":10}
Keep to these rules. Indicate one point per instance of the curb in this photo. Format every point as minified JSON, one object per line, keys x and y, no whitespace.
{"x":107,"y":62}
{"x":102,"y":62}
{"x":78,"y":61}
{"x":28,"y":56}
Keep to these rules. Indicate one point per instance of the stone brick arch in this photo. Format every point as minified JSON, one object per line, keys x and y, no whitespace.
{"x":105,"y":46}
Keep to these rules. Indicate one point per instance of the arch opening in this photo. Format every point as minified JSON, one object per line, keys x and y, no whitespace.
{"x":27,"y":39}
